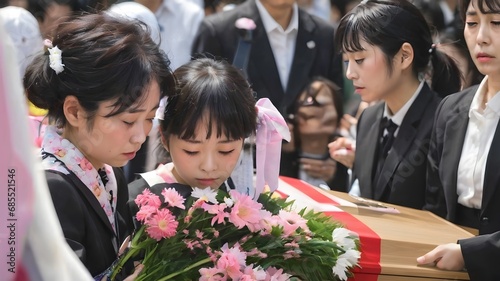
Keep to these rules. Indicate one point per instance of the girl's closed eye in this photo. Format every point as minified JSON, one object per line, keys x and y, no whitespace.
{"x":359,"y":61}
{"x":226,"y":152}
{"x":190,"y":152}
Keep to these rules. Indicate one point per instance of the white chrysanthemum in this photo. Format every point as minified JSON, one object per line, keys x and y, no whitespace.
{"x":344,"y":238}
{"x":205,"y":194}
{"x":346,"y":260}
{"x":229,"y":202}
{"x":55,"y":59}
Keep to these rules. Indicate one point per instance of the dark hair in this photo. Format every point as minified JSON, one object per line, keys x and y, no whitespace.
{"x":39,"y":7}
{"x":104,"y":59}
{"x":335,"y":91}
{"x":207,"y":86}
{"x":456,"y":40}
{"x":484,"y":6}
{"x":388,"y":24}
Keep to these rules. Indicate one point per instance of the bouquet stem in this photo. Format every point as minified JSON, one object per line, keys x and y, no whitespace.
{"x":170,"y":276}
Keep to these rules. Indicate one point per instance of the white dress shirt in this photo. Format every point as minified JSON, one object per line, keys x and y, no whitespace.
{"x":399,"y":116}
{"x":282,"y":41}
{"x":477,"y":143}
{"x":179,"y":21}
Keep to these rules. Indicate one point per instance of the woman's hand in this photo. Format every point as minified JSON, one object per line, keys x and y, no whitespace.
{"x":447,"y":256}
{"x":343,"y":150}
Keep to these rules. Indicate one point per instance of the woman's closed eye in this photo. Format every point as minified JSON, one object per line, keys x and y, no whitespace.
{"x":359,"y":61}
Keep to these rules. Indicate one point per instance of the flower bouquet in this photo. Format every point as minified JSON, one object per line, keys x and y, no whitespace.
{"x":214,"y":235}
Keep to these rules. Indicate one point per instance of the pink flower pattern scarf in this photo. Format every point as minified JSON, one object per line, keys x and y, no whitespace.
{"x":64,"y":157}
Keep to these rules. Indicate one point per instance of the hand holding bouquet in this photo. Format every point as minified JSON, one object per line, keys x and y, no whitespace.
{"x":213,"y":235}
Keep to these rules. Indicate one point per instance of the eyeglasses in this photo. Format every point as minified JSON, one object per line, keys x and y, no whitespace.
{"x":310,"y":99}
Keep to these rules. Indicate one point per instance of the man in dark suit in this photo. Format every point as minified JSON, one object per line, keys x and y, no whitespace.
{"x":274,"y":70}
{"x":288,"y":47}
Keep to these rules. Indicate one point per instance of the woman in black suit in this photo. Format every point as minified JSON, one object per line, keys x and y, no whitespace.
{"x":388,"y":47}
{"x":101,"y":81}
{"x":463,"y":177}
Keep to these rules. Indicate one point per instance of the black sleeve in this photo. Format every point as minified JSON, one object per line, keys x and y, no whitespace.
{"x":481,"y":255}
{"x":70,"y":212}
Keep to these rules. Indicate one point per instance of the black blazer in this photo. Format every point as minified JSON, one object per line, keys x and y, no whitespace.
{"x":481,"y":255}
{"x":403,"y":174}
{"x":218,"y":36}
{"x":84,"y":223}
{"x":450,"y":126}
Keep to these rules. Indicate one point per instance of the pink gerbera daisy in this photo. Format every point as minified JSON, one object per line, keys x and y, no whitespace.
{"x":161,"y":225}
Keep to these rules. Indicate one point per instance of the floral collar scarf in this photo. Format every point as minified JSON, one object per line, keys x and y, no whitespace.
{"x":61,"y":155}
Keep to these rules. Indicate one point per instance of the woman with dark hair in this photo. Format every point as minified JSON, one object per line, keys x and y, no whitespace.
{"x":101,"y":80}
{"x":389,"y":47}
{"x":314,"y":123}
{"x":463,"y":179}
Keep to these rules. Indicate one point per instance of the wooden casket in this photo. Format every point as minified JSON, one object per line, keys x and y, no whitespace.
{"x":391,"y":237}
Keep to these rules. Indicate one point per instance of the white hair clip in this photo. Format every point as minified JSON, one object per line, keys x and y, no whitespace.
{"x":160,"y":112}
{"x":55,"y":59}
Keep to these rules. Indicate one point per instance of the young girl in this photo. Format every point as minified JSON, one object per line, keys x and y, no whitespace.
{"x":389,"y":46}
{"x":203,"y":126}
{"x":101,"y":80}
{"x":463,"y":176}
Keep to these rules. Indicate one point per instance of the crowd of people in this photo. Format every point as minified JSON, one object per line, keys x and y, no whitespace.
{"x":391,"y":100}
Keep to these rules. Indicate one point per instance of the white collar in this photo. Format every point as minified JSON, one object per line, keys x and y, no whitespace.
{"x":400,"y":115}
{"x":493,"y":104}
{"x":270,"y":24}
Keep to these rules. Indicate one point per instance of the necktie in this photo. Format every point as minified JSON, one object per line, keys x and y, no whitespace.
{"x":388,"y":130}
{"x":388,"y":138}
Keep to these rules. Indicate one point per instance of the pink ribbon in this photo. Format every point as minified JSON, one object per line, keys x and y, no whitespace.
{"x":271,"y":130}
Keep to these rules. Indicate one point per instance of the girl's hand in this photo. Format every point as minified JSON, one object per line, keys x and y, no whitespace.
{"x":447,"y":256}
{"x":134,"y":275}
{"x":343,"y":150}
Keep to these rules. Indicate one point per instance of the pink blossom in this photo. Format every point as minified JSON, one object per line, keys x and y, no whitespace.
{"x":291,"y":254}
{"x":145,"y":212}
{"x":191,"y":245}
{"x":218,"y":211}
{"x":274,"y":274}
{"x":291,"y":222}
{"x":162,"y":224}
{"x":199,"y":234}
{"x":245,"y":212}
{"x":251,"y":274}
{"x":148,"y":198}
{"x":245,"y":23}
{"x":211,"y":274}
{"x":231,"y":260}
{"x":173,"y":198}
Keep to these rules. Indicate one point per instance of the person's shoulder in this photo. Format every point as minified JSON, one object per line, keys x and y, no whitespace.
{"x":318,"y":22}
{"x":462,"y":98}
{"x":373,"y":110}
{"x":228,"y":18}
{"x":184,"y":7}
{"x":56,"y":179}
